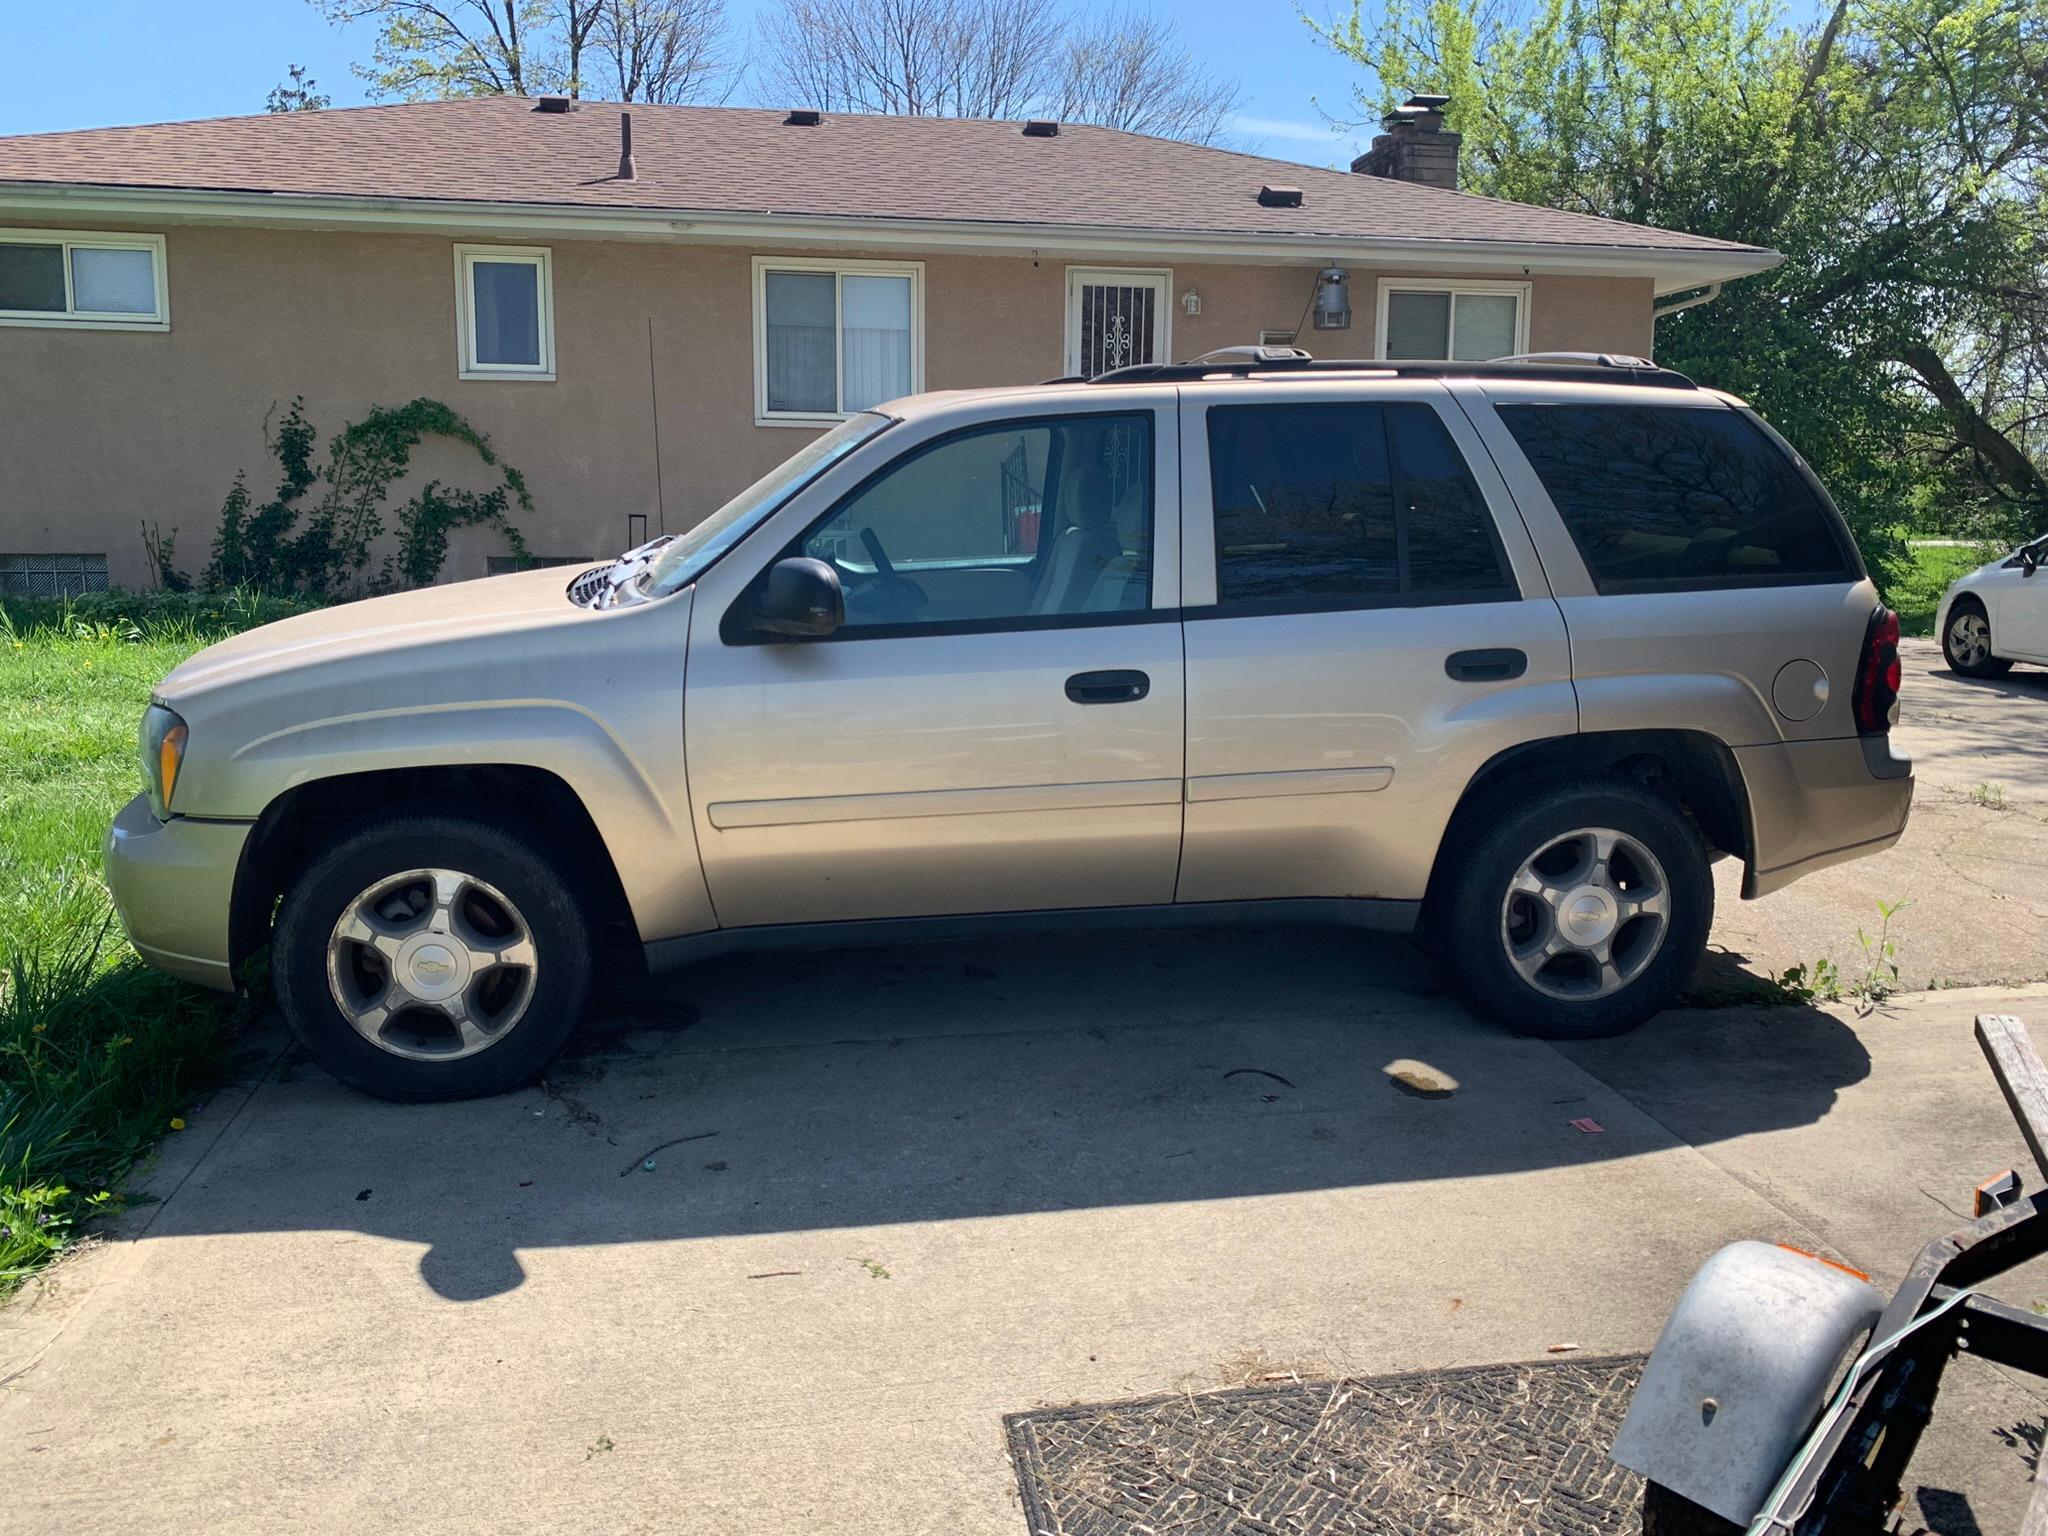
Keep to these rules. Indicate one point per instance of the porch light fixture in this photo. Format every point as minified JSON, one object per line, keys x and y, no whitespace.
{"x":1333,"y":300}
{"x":1191,"y":303}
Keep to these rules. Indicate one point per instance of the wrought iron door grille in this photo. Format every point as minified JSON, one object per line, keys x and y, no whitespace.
{"x":1118,"y":325}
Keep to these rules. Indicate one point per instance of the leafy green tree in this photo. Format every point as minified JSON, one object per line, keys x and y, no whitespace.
{"x":297,"y":92}
{"x":1897,"y":155}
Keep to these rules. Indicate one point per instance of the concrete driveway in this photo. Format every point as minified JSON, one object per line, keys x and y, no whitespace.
{"x":895,"y":1194}
{"x":942,"y":1186}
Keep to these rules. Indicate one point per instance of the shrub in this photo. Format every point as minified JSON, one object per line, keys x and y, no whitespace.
{"x":191,"y":617}
{"x":326,"y":553}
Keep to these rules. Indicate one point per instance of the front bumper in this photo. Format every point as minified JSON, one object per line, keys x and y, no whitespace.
{"x":174,"y":884}
{"x":1817,"y":803}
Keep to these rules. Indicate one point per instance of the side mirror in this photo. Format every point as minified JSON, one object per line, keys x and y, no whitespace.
{"x":799,"y":597}
{"x":2029,"y":562}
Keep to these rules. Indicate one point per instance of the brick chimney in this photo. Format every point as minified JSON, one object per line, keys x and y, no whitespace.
{"x":1416,"y":146}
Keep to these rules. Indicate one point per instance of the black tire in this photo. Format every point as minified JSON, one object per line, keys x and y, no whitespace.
{"x":1989,"y":665}
{"x":1669,"y":1514}
{"x":1512,"y":827}
{"x":545,"y":895}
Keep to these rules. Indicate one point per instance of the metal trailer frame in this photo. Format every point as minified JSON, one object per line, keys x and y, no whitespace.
{"x":1850,"y":1478}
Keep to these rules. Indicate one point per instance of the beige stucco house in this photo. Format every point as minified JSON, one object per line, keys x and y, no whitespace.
{"x":643,"y":334}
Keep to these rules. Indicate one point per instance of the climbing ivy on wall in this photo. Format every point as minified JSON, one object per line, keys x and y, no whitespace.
{"x":314,"y":536}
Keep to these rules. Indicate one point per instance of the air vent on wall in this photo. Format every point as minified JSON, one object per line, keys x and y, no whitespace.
{"x":1280,"y":197}
{"x":804,"y":117}
{"x":1041,"y":128}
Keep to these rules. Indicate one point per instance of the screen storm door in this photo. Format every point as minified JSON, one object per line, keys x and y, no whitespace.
{"x":1117,"y":317}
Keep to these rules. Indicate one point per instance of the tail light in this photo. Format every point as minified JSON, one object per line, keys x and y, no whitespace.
{"x":1877,"y":674}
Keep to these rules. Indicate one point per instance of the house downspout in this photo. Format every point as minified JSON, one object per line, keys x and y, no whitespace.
{"x":1706,"y":295}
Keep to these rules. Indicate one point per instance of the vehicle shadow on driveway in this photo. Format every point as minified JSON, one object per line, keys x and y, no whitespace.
{"x":777,"y":1094}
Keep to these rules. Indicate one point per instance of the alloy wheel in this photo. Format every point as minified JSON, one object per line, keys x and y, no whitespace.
{"x":432,"y":964}
{"x":1969,"y":639}
{"x":1586,"y":914}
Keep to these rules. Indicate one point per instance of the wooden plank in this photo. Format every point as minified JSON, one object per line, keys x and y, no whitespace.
{"x":2036,"y":1523}
{"x":2023,"y":1078}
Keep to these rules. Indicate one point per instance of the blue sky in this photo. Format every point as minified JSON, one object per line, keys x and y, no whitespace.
{"x":78,"y":65}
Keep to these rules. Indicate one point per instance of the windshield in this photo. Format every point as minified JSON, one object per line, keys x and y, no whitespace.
{"x":690,"y":554}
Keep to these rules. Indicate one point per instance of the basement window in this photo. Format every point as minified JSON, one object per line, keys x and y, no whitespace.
{"x":505,"y":312}
{"x":1452,"y":322}
{"x":52,"y":575}
{"x":83,"y":280}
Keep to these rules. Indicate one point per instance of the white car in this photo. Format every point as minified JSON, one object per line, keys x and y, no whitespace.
{"x":1998,"y":614}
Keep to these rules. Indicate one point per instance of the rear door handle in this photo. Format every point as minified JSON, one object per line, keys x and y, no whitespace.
{"x":1498,"y":666}
{"x":1114,"y":687}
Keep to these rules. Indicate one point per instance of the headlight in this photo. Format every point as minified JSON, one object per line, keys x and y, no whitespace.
{"x":163,"y":754}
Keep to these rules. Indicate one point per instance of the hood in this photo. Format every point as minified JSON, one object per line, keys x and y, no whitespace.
{"x":463,"y":610}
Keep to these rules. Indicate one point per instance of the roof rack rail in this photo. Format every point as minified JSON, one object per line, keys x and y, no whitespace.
{"x":1558,"y":367}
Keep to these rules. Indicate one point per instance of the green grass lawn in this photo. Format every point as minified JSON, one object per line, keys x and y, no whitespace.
{"x":98,"y":1055}
{"x":1916,"y":593}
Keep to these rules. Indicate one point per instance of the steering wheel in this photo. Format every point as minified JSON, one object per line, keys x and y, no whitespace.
{"x":879,"y":555}
{"x":889,"y":598}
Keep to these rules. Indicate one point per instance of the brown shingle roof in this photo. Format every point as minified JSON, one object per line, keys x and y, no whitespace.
{"x":746,"y":161}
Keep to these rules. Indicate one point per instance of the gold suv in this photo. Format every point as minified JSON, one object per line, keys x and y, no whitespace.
{"x":1503,"y":652}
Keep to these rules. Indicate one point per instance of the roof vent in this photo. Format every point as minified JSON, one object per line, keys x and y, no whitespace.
{"x":804,"y":117}
{"x":1041,"y":128}
{"x":628,"y":171}
{"x":554,"y":104}
{"x":1279,"y":197}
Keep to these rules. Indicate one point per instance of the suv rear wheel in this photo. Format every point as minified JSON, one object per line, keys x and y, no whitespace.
{"x":432,"y":957}
{"x":1578,"y":908}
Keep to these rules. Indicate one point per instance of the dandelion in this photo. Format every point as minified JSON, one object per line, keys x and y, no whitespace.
{"x":177,"y":1123}
{"x":39,"y":1029}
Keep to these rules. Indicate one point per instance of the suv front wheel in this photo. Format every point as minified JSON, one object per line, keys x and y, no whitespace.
{"x":1578,"y":908}
{"x":432,"y":957}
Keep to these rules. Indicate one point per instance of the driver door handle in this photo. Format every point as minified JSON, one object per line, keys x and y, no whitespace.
{"x":1113,"y":687}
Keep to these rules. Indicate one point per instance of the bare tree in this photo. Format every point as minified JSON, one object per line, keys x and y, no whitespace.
{"x":1130,"y":70}
{"x":665,"y":50}
{"x":915,"y":58}
{"x":994,"y":58}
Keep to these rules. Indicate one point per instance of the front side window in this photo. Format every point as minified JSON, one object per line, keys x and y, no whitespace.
{"x":1665,"y":498}
{"x":1337,"y":506}
{"x":833,"y":339}
{"x":1457,"y":323}
{"x":92,"y":281}
{"x":505,"y":311}
{"x":1030,"y":520}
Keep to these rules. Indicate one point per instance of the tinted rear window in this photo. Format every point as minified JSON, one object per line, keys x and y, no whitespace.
{"x":1668,"y":497}
{"x":1328,"y":506}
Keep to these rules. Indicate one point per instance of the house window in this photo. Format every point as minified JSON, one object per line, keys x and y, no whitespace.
{"x":832,"y":338}
{"x":1464,"y":322}
{"x":52,"y":575}
{"x":505,"y":311}
{"x":86,"y":281}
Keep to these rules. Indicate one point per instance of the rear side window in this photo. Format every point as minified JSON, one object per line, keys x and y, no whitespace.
{"x":1338,"y":506}
{"x":1670,"y":498}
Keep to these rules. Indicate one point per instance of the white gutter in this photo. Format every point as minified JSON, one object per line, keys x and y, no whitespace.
{"x":1672,"y":269}
{"x":1711,"y":293}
